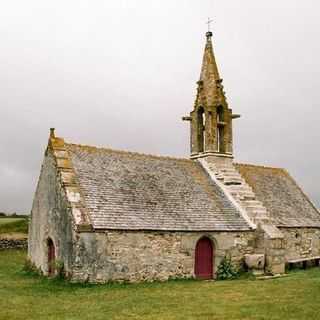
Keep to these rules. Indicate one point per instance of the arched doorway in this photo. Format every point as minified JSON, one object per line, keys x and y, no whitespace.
{"x":51,"y":257}
{"x":204,"y":259}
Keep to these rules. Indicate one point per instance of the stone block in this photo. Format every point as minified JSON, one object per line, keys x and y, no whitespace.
{"x":255,"y":261}
{"x":277,"y":268}
{"x":64,"y":163}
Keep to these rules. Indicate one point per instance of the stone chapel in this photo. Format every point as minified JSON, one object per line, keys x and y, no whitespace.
{"x":110,"y":215}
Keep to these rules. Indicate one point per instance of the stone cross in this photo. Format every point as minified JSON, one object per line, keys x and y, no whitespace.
{"x":209,"y":24}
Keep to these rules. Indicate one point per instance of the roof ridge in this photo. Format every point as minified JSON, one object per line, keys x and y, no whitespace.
{"x":134,"y":153}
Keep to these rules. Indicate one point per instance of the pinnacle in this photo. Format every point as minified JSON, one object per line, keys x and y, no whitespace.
{"x":209,"y":77}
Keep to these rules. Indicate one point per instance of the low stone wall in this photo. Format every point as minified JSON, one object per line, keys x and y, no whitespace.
{"x":301,"y":242}
{"x":13,"y":243}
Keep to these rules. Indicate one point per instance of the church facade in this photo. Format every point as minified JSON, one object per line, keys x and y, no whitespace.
{"x":108,"y":215}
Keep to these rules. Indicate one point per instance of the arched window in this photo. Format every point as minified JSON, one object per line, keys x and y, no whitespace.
{"x":220,"y":130}
{"x":201,"y":129}
{"x":204,"y":259}
{"x":51,"y":257}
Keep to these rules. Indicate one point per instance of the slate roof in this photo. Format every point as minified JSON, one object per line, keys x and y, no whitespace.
{"x":131,"y":191}
{"x":281,"y":195}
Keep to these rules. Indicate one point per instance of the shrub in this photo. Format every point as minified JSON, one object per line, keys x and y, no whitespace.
{"x":226,"y":270}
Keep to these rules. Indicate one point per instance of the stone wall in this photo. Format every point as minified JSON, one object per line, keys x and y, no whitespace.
{"x":301,"y":242}
{"x":13,"y":243}
{"x":51,"y":217}
{"x":147,"y":256}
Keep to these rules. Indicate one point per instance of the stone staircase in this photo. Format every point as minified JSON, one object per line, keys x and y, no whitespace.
{"x":269,"y":239}
{"x":227,"y":175}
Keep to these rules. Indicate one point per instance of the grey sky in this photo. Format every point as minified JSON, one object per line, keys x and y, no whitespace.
{"x":122,"y":73}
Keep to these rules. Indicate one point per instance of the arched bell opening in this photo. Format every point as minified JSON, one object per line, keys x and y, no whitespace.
{"x":201,"y":129}
{"x":220,"y":130}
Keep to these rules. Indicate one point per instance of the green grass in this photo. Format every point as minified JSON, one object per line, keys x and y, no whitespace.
{"x":9,"y":220}
{"x":13,"y":225}
{"x":27,"y":297}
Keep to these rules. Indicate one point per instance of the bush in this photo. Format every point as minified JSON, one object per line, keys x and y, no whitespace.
{"x":226,"y":271}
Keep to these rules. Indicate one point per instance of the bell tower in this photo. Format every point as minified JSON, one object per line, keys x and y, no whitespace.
{"x":211,"y":118}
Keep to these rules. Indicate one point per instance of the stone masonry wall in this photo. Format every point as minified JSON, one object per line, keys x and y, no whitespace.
{"x":50,"y":218}
{"x":147,"y":256}
{"x":301,"y":242}
{"x":13,"y":244}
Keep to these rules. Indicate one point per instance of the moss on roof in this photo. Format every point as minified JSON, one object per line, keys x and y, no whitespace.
{"x":125,"y":190}
{"x":281,"y":195}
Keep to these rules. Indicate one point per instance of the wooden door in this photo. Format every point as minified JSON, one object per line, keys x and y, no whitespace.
{"x":51,"y":257}
{"x":204,"y":259}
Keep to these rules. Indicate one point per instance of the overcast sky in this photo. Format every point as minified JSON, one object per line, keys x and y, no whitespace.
{"x":121,"y":74}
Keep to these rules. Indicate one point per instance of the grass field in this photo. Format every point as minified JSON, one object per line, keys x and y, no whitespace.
{"x":27,"y":297}
{"x":13,"y":225}
{"x":9,"y":220}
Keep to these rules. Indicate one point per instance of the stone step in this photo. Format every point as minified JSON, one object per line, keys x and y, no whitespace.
{"x":244,"y":188}
{"x":255,"y":208}
{"x":232,"y":182}
{"x":229,"y":179}
{"x":218,"y":174}
{"x":241,"y":191}
{"x":233,"y":178}
{"x":225,"y":167}
{"x":228,"y":171}
{"x":249,"y":203}
{"x":231,"y":174}
{"x":245,"y":197}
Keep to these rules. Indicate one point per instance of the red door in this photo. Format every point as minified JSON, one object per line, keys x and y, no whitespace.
{"x":204,"y":259}
{"x":51,"y":257}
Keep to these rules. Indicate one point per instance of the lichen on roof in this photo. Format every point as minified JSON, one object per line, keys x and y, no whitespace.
{"x":125,"y":190}
{"x":288,"y":205}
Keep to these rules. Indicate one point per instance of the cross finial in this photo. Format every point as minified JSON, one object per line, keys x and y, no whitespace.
{"x":209,"y":24}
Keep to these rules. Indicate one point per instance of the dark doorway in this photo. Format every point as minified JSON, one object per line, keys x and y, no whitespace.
{"x":51,"y":257}
{"x":204,"y":259}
